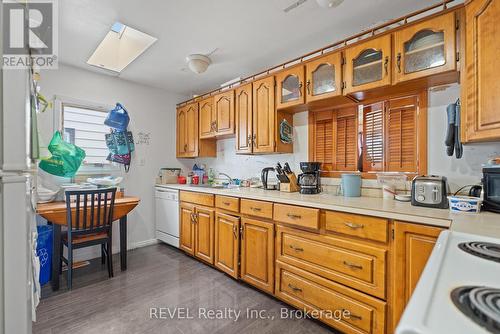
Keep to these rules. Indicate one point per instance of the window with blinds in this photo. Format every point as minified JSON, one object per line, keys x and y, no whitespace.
{"x":401,"y":123}
{"x":323,"y":140}
{"x":373,"y":137}
{"x":346,"y":153}
{"x":85,"y":128}
{"x":392,"y":136}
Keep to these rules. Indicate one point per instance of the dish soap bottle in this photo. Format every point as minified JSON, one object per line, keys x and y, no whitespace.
{"x":211,"y":176}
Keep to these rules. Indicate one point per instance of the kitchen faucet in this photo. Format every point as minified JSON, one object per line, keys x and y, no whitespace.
{"x":229,"y":177}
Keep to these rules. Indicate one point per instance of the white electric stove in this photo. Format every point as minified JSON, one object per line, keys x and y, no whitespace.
{"x":459,"y":290}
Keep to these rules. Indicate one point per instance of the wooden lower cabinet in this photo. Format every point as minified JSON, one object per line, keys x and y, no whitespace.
{"x":187,"y":228}
{"x":204,"y":234}
{"x":413,"y":245}
{"x":257,"y":253}
{"x":227,"y":242}
{"x":343,"y":308}
{"x":360,"y":266}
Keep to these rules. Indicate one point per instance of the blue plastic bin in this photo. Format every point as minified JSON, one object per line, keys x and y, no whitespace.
{"x":44,"y":251}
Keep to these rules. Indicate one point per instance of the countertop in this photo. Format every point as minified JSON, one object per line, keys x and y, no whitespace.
{"x":485,"y":223}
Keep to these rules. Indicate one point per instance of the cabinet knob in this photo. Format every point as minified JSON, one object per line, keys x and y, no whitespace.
{"x":399,"y":62}
{"x":386,"y":65}
{"x":308,"y":87}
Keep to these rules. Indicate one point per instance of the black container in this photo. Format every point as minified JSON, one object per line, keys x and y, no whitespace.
{"x":491,"y":184}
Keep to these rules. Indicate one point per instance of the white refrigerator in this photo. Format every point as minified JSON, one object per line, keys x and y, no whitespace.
{"x":17,"y":215}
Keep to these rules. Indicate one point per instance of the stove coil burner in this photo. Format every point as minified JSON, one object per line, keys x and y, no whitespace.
{"x":481,"y":304}
{"x":484,"y":250}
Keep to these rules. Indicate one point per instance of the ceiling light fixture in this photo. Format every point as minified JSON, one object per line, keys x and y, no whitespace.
{"x":198,"y":63}
{"x":121,"y":46}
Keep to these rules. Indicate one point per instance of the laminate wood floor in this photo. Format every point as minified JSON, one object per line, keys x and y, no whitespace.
{"x":160,"y":276}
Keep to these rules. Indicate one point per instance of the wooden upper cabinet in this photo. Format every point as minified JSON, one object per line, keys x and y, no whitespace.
{"x":481,"y":87}
{"x":323,"y":77}
{"x":264,"y":116}
{"x":290,"y":91}
{"x":224,"y":111}
{"x":368,"y":65}
{"x":207,"y":118}
{"x":243,"y":113}
{"x":181,"y":132}
{"x":425,"y":48}
{"x":192,"y":130}
{"x":187,"y":131}
{"x":413,"y":246}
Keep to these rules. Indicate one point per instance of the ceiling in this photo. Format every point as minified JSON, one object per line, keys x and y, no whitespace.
{"x":250,"y":35}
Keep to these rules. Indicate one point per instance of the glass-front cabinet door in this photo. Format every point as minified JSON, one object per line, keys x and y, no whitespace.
{"x":368,"y":65}
{"x":323,"y":79}
{"x":290,"y":90}
{"x":425,"y":48}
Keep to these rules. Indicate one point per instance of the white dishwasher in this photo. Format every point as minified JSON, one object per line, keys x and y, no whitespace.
{"x":167,"y":215}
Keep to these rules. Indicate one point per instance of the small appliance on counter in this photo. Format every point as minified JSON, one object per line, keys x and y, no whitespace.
{"x":310,"y":179}
{"x":430,"y":191}
{"x":264,"y":177}
{"x":491,"y":184}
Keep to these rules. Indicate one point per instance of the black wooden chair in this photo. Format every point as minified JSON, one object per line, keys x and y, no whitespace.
{"x":89,"y":224}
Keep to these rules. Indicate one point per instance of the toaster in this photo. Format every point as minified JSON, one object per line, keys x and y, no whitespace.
{"x":430,"y":191}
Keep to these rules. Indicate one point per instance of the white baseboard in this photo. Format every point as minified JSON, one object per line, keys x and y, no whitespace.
{"x":89,"y":253}
{"x":143,"y":243}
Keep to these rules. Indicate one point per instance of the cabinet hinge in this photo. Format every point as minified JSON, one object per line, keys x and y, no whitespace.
{"x":342,"y":62}
{"x":457,"y":24}
{"x":344,"y":85}
{"x":458,"y":56}
{"x":392,"y":234}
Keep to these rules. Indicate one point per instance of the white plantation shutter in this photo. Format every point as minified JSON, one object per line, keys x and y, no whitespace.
{"x":373,"y":137}
{"x":85,"y":128}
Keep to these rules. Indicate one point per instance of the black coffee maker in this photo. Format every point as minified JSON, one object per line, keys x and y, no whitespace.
{"x":310,"y":179}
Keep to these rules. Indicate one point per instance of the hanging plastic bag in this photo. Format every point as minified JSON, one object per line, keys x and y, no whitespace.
{"x":123,"y":159}
{"x":65,"y":160}
{"x":118,"y":118}
{"x":119,"y":142}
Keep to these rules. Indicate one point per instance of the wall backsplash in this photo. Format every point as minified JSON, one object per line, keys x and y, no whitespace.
{"x":458,"y":171}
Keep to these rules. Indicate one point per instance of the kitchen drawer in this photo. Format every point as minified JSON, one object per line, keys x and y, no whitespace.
{"x":297,"y":215}
{"x":227,"y":203}
{"x":364,"y":227}
{"x":257,"y":208}
{"x":197,"y":198}
{"x":345,"y":309}
{"x":356,"y":265}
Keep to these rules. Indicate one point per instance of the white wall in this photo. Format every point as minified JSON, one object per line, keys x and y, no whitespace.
{"x":459,"y":171}
{"x":462,"y":171}
{"x":151,"y":111}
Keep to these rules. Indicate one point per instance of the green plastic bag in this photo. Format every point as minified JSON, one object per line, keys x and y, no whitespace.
{"x":66,"y":157}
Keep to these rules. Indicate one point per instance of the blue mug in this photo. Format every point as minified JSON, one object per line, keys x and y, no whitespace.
{"x":350,"y":185}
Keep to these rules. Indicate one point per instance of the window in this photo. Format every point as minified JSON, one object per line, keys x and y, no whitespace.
{"x":392,"y":136}
{"x":84,"y":127}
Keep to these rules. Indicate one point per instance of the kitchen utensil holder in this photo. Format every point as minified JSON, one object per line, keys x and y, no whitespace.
{"x":292,"y":186}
